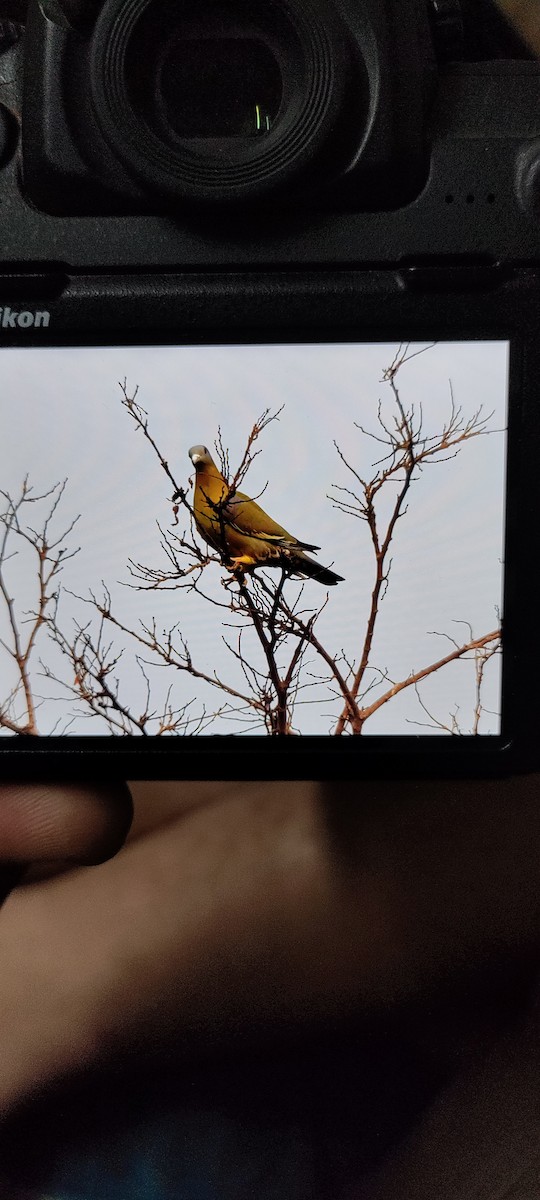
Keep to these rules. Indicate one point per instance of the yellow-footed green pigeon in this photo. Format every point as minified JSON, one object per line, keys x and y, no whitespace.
{"x":239,"y":529}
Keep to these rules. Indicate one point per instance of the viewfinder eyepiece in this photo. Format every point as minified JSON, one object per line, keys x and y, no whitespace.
{"x":220,"y":101}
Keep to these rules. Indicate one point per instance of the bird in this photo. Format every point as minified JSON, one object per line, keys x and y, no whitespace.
{"x":242,"y":533}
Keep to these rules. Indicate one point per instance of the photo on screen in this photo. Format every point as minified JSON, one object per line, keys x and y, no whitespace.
{"x":292,"y":539}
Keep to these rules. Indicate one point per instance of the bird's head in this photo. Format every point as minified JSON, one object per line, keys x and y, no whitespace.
{"x":200,"y":454}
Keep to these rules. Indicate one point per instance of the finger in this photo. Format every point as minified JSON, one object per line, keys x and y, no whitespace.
{"x":68,"y":822}
{"x":160,"y":923}
{"x":525,"y":14}
{"x":155,"y":803}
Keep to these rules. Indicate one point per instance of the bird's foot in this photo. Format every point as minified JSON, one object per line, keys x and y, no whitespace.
{"x":244,"y":560}
{"x":240,"y":567}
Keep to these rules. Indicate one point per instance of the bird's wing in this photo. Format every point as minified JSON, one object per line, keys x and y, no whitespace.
{"x":247,"y":517}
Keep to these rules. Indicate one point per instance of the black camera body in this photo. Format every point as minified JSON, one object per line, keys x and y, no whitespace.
{"x":307,"y":178}
{"x":379,"y":150}
{"x":306,"y":102}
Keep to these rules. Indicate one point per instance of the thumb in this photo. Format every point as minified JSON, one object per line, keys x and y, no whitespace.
{"x":65,"y":823}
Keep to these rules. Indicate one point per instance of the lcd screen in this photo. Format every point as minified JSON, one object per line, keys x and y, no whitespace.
{"x":135,"y":599}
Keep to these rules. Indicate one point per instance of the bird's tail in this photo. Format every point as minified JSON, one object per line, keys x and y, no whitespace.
{"x":313,"y":570}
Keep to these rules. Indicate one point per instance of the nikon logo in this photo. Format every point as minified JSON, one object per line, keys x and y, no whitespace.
{"x":11,"y":318}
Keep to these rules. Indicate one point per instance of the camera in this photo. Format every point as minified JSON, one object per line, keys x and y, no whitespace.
{"x":269,"y":302}
{"x":228,"y":103}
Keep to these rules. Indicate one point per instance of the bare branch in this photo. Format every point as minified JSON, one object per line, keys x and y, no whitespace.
{"x":48,"y":551}
{"x":408,"y":450}
{"x":415,"y":677}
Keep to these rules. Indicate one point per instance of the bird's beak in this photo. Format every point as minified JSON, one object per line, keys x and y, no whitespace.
{"x":195,"y":458}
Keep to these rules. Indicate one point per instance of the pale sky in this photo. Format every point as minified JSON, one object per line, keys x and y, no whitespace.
{"x":62,"y":418}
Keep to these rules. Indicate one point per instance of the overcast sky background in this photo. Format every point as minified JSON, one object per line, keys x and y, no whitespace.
{"x":62,"y":418}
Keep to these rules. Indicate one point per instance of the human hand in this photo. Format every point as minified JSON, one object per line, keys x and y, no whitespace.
{"x":50,"y":826}
{"x":236,"y":908}
{"x":525,"y":15}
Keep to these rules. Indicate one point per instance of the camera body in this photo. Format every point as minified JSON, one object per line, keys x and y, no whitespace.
{"x":304,"y":103}
{"x":315,"y":174}
{"x":406,"y":158}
